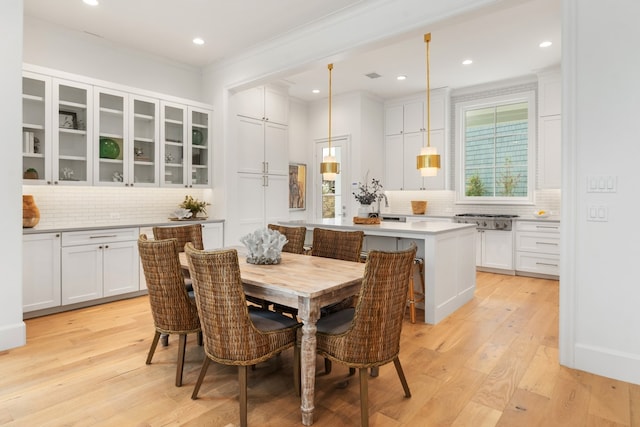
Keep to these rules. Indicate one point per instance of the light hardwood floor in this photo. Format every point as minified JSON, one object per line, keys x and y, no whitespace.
{"x":492,"y":363}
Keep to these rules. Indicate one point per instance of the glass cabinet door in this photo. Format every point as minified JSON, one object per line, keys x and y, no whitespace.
{"x":145,"y":149}
{"x":71,"y":148}
{"x":174,"y":142}
{"x":36,"y":125}
{"x":110,"y":142}
{"x":200,"y":147}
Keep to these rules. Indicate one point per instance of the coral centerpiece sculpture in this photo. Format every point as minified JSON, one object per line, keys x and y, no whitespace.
{"x":264,"y":246}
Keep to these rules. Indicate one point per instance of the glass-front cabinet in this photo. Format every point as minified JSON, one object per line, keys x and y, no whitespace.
{"x":186,"y":154}
{"x":36,"y":125}
{"x":110,"y":139}
{"x":145,"y":149}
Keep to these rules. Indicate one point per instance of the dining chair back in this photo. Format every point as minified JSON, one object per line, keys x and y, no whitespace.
{"x":172,"y":310}
{"x":344,"y":245}
{"x":368,"y":335}
{"x":233,"y":332}
{"x":295,"y":237}
{"x":183,"y":234}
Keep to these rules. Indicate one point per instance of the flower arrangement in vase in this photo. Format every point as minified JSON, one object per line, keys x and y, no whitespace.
{"x":367,"y":194}
{"x":194,"y":205}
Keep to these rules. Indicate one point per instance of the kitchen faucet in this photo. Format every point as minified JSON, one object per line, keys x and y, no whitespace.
{"x":386,"y":201}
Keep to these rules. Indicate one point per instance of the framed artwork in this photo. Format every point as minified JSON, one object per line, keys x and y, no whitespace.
{"x":297,"y":186}
{"x":67,"y":120}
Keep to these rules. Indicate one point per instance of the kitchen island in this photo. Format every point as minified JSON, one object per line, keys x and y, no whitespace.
{"x":448,"y":251}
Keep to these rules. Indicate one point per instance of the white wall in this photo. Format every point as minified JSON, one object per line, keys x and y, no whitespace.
{"x":52,"y":46}
{"x":12,"y":328}
{"x":599,"y":288}
{"x":301,"y":151}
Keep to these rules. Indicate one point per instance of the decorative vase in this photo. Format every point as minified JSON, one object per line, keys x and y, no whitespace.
{"x":364,"y":211}
{"x":30,"y":212}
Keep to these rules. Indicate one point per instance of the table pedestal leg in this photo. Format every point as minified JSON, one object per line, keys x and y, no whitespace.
{"x":308,"y":363}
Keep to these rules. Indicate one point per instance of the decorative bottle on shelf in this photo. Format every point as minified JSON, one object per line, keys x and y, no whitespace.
{"x":30,"y":212}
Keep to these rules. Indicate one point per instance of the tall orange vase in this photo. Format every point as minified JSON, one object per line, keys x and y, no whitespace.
{"x":30,"y":212}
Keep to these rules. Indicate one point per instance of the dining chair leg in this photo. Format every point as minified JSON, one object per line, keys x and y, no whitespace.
{"x":403,"y":380}
{"x":364,"y":398}
{"x":297,"y":382}
{"x":182,"y":347}
{"x":242,"y":379}
{"x":165,"y":340}
{"x":152,"y":350}
{"x":412,"y":299}
{"x":203,"y":372}
{"x":327,"y":366}
{"x":200,"y":342}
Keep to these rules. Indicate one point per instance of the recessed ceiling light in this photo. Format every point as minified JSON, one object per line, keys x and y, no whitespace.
{"x":198,"y":41}
{"x":90,"y":2}
{"x":467,"y":62}
{"x":545,"y":43}
{"x":401,"y":77}
{"x":316,"y":91}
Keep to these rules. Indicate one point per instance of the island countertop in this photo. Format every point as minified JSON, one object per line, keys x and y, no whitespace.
{"x":396,"y":229}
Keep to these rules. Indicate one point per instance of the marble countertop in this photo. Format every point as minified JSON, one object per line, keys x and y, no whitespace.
{"x":111,"y":226}
{"x":415,"y":228}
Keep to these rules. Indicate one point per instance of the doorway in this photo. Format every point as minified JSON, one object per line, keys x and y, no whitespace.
{"x":330,"y":201}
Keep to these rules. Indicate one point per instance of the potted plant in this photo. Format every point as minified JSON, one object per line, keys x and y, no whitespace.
{"x":367,"y":194}
{"x":194,"y":205}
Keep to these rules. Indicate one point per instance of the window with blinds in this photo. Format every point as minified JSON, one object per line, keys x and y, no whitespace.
{"x":496,"y":147}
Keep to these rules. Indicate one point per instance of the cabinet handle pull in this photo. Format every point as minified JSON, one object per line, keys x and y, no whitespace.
{"x":546,"y":263}
{"x":546,"y":243}
{"x":266,"y":181}
{"x":266,"y":167}
{"x":551,"y":227}
{"x":102,"y":237}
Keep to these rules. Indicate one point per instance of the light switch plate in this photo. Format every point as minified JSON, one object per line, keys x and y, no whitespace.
{"x":598,"y":213}
{"x":602,"y":184}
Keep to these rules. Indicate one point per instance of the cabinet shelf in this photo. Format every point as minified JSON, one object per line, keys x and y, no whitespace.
{"x":144,"y":117}
{"x":114,"y":161}
{"x":33,"y":98}
{"x":111,"y":111}
{"x":175,"y":144}
{"x":173,"y":122}
{"x":74,"y":158}
{"x":32,"y":126}
{"x":173,"y":165}
{"x":73,"y":131}
{"x":111,"y":135}
{"x":199,"y":126}
{"x":72,"y":105}
{"x":199,"y":166}
{"x":143,"y":163}
{"x":33,"y":155}
{"x":199,"y":147}
{"x":140,"y":139}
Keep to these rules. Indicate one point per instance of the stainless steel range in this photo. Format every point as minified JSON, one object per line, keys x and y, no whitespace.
{"x":486,"y":221}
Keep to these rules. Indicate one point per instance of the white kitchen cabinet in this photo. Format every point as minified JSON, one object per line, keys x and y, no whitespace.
{"x":494,"y":249}
{"x":405,"y":129}
{"x":99,"y":263}
{"x":549,"y":129}
{"x":111,"y":142}
{"x":40,"y":271}
{"x":538,"y":248}
{"x":144,"y":134}
{"x":213,"y":235}
{"x":262,"y":147}
{"x":57,"y":124}
{"x":265,"y":103}
{"x":186,"y":148}
{"x":264,"y":199}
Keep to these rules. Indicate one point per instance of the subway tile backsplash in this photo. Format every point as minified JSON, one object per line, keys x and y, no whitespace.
{"x":63,"y":207}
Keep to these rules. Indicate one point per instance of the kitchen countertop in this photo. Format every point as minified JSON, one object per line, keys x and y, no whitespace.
{"x":384,"y":228}
{"x":37,"y":230}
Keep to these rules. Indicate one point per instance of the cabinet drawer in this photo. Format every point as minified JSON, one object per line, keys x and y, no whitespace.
{"x":538,"y":242}
{"x":538,"y":263}
{"x":74,"y":238}
{"x":540,"y":226}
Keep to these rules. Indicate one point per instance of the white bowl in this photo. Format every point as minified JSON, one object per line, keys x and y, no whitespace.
{"x":537,"y":214}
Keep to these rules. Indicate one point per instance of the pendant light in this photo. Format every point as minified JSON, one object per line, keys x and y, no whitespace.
{"x":428,"y":161}
{"x":329,"y":168}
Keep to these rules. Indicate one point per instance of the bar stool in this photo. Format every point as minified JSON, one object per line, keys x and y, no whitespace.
{"x":419,"y":263}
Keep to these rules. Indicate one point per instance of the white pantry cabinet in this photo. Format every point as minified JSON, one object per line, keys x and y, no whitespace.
{"x":405,"y":135}
{"x":549,"y":129}
{"x":40,"y":271}
{"x":264,"y":199}
{"x":99,"y":263}
{"x":265,"y":103}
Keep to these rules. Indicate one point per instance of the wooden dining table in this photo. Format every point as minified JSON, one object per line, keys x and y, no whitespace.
{"x":306,"y":283}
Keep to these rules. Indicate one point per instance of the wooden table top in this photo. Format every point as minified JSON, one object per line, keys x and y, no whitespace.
{"x":299,"y":275}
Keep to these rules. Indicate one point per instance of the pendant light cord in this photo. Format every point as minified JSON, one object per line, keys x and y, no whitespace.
{"x":427,"y":39}
{"x":330,"y":67}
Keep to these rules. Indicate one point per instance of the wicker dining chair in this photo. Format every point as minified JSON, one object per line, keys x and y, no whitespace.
{"x":295,"y":237}
{"x":234,"y":333}
{"x":368,"y":335}
{"x":183,"y":234}
{"x":172,"y":310}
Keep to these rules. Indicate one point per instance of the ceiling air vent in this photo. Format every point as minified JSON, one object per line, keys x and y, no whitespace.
{"x":373,"y":75}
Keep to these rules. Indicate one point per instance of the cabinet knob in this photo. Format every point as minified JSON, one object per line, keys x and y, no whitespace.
{"x":106,"y":246}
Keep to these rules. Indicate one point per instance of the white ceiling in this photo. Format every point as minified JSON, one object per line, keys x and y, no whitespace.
{"x":501,"y":40}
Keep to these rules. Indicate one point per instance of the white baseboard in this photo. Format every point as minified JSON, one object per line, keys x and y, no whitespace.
{"x":12,"y":336}
{"x":608,"y":363}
